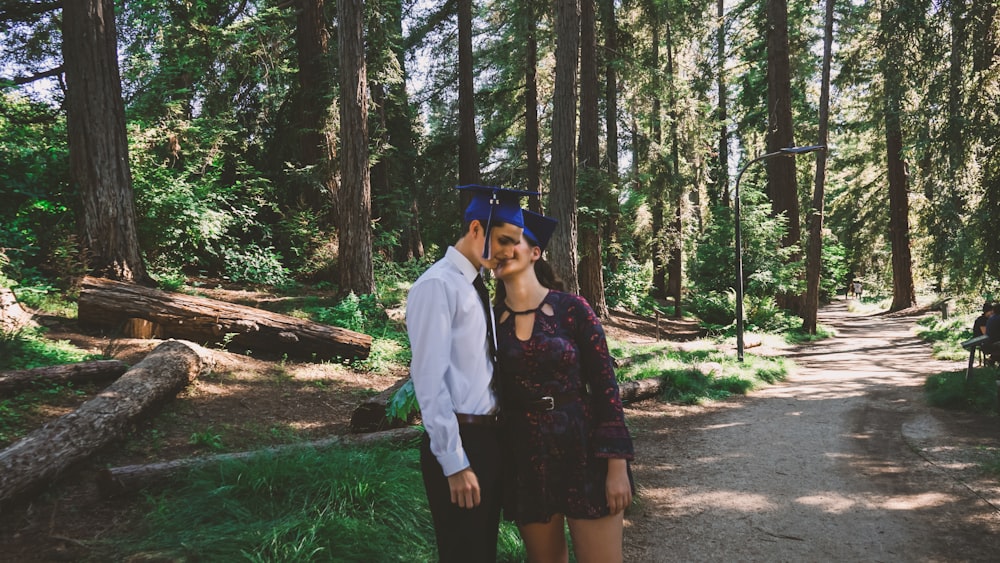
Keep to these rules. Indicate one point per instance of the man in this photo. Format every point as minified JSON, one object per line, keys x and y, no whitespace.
{"x":450,"y":324}
{"x":992,"y":349}
{"x":979,"y":325}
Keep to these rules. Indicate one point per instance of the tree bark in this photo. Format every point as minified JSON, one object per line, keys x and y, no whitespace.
{"x":903,"y":291}
{"x":131,"y":478}
{"x":468,"y":141}
{"x":355,"y":262}
{"x":95,"y":370}
{"x":110,"y":304}
{"x":98,"y":147}
{"x":611,"y":61}
{"x":814,"y":254}
{"x":720,"y":195}
{"x":562,"y":199}
{"x":781,"y":178}
{"x":45,"y":453}
{"x":675,"y":261}
{"x":533,"y":169}
{"x":12,"y":317}
{"x":591,"y":275}
{"x":317,"y":141}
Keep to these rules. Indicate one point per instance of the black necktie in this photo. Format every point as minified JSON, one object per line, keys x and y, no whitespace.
{"x":484,"y":296}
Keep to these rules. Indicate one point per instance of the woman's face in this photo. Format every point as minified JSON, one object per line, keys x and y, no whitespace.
{"x":522,"y":259}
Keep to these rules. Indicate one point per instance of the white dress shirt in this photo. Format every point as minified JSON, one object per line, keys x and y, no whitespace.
{"x":450,"y":369}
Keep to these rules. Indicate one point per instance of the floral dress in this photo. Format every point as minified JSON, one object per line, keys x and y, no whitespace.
{"x":558,"y":458}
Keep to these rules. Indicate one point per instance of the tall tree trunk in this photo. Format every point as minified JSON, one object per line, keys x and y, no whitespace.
{"x":657,"y":180}
{"x":317,"y":140}
{"x":355,"y":261}
{"x":98,"y":147}
{"x":589,"y":158}
{"x":562,"y":199}
{"x":611,"y":62}
{"x":903,"y":292}
{"x":781,"y":179}
{"x":676,"y":241}
{"x":720,"y":195}
{"x":531,"y":135}
{"x":814,"y":255}
{"x":468,"y":143}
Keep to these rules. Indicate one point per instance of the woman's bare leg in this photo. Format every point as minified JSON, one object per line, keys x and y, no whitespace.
{"x":546,"y":542}
{"x":598,"y":541}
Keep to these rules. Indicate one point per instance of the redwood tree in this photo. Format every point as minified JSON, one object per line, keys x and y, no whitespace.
{"x":903,"y":292}
{"x":814,"y":254}
{"x":562,"y":200}
{"x":355,"y":264}
{"x":589,"y":156}
{"x":98,"y":147}
{"x":781,"y":180}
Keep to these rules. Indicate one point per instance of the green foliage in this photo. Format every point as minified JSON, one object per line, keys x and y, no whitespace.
{"x":28,"y":349}
{"x":696,"y":375}
{"x":951,"y":390}
{"x":946,"y":335}
{"x":629,"y":285}
{"x":207,"y":439}
{"x":37,"y":224}
{"x":337,"y":505}
{"x":766,"y":266}
{"x":717,"y":312}
{"x":403,"y":404}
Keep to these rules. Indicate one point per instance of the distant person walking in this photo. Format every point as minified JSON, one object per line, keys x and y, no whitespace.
{"x":856,"y":288}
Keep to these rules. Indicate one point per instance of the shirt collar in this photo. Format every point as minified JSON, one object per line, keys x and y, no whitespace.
{"x":462,"y":263}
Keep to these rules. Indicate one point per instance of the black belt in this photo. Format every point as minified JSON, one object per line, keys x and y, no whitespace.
{"x":477,"y":419}
{"x":547,"y":402}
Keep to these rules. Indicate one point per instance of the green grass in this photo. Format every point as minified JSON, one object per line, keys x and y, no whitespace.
{"x":950,"y":390}
{"x":696,"y":376}
{"x":26,"y":349}
{"x":946,"y":335}
{"x":336,"y":505}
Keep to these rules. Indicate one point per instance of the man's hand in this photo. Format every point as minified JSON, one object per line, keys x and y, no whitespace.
{"x":464,"y":488}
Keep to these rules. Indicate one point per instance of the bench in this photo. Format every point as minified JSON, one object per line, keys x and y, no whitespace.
{"x":972,"y":345}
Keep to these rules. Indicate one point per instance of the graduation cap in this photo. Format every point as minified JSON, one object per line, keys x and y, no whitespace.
{"x":493,"y":204}
{"x":538,"y":228}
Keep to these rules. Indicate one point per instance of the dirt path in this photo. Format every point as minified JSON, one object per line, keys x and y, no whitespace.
{"x":843,"y":462}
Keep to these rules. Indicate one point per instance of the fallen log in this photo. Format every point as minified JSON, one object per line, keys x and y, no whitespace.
{"x":131,"y":478}
{"x":45,"y":453}
{"x":370,"y":416}
{"x":12,"y":317}
{"x":115,"y":304}
{"x":96,"y":370}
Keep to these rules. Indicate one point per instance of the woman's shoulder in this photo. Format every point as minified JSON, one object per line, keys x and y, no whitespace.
{"x":568,"y":299}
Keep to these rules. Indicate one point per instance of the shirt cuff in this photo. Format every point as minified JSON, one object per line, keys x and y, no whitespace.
{"x":453,"y":462}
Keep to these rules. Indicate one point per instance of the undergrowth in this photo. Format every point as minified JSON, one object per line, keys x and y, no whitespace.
{"x":691,"y":377}
{"x":951,"y":390}
{"x":351,"y":504}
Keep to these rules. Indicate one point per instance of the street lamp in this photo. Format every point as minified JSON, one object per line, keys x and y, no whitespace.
{"x":789,"y":151}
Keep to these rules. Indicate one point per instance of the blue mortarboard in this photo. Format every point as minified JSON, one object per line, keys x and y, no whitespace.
{"x":538,"y":228}
{"x":492,"y":204}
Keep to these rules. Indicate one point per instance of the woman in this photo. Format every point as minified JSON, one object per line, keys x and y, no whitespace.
{"x":561,"y":411}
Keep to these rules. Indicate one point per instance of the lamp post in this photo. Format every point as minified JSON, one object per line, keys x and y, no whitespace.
{"x":789,"y":151}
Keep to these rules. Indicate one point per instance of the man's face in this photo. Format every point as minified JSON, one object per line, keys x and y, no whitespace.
{"x":503,"y":240}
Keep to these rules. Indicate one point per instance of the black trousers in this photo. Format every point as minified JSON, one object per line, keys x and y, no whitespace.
{"x":466,"y":535}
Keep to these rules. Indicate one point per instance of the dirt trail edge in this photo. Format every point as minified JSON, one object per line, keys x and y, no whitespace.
{"x":843,"y":462}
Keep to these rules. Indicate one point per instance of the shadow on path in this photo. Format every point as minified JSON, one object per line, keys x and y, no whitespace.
{"x":843,"y":462}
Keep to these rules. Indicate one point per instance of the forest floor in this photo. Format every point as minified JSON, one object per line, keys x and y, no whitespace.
{"x":844,"y":461}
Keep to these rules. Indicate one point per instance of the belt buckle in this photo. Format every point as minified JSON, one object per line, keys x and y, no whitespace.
{"x":551,"y":401}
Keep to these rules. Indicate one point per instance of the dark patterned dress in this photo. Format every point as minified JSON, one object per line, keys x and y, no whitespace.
{"x":558,"y":458}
